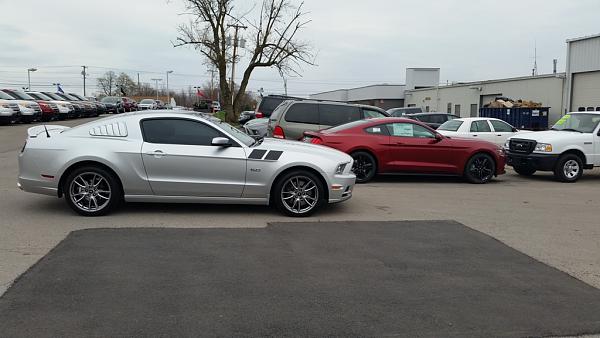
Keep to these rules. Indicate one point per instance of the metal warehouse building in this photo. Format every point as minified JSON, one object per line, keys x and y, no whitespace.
{"x":583,"y":74}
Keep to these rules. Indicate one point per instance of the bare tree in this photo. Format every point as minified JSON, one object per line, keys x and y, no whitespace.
{"x":107,"y":83}
{"x":125,"y":84}
{"x":273,"y":40}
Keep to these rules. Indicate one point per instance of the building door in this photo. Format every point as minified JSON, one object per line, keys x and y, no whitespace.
{"x":474,"y":112}
{"x":586,"y":91}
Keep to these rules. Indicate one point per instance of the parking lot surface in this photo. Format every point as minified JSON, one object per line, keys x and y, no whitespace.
{"x":551,"y":222}
{"x":407,"y":279}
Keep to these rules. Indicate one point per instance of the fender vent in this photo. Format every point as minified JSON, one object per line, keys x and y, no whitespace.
{"x":118,"y":129}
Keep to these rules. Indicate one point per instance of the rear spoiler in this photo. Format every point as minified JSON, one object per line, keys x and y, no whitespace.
{"x":34,"y":132}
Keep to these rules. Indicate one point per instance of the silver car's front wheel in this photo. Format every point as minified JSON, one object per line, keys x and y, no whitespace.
{"x":299,"y":193}
{"x":92,"y":191}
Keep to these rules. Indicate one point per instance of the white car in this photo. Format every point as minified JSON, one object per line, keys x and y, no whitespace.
{"x":9,"y":112}
{"x":29,"y":111}
{"x":571,"y":146}
{"x":481,"y":128}
{"x":147,"y":104}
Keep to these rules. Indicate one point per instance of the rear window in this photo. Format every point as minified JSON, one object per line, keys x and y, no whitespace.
{"x":345,"y":126}
{"x":303,"y":113}
{"x":335,"y":115}
{"x":452,"y":125}
{"x":268,"y":104}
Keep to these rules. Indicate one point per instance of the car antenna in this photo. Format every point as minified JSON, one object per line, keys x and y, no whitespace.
{"x":47,"y":133}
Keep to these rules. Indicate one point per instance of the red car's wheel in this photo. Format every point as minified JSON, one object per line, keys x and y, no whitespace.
{"x":365,"y":166}
{"x":480,"y":169}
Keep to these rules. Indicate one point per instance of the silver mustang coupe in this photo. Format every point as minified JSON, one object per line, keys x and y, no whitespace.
{"x":178,"y":157}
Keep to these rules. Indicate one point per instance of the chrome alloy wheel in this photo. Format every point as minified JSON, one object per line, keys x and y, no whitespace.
{"x":571,"y":169}
{"x":90,"y":192}
{"x":299,"y":194}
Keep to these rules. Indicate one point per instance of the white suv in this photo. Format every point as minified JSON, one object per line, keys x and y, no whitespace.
{"x":571,"y":146}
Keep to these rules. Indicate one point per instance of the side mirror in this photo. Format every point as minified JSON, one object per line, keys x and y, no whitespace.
{"x":438,"y":137}
{"x":515,"y":130}
{"x":221,"y":142}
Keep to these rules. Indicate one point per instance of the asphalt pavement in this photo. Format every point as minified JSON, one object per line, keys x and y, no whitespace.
{"x":404,"y":279}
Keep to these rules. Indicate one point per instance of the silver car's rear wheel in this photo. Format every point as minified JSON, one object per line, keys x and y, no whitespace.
{"x":298,"y":193}
{"x":90,"y":192}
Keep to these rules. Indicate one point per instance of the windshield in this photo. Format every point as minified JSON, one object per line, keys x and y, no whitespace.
{"x":451,"y":125}
{"x":147,"y":101}
{"x":111,"y":99}
{"x":238,"y":134}
{"x":346,"y":126}
{"x":41,"y":96}
{"x":81,"y":98}
{"x":583,"y":123}
{"x":21,"y":95}
{"x":5,"y":96}
{"x":54,"y":97}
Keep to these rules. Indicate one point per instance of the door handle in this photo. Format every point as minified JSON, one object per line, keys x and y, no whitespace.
{"x":475,"y":135}
{"x":499,"y":135}
{"x":156,"y":153}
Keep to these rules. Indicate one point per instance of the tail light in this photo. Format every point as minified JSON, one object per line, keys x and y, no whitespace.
{"x":316,"y":140}
{"x":278,"y":132}
{"x":259,"y":115}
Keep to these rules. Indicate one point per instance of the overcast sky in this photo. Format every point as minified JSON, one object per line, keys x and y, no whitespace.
{"x":356,"y":42}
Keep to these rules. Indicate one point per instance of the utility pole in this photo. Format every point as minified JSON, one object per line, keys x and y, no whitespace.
{"x":156,"y":86}
{"x":212,"y":72}
{"x":139,"y":87}
{"x":84,"y":74}
{"x":168,"y":93}
{"x":237,"y":27}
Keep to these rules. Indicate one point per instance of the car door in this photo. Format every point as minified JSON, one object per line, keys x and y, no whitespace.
{"x":415,"y":149}
{"x":482,"y":130}
{"x":180,"y":160}
{"x":502,"y":131}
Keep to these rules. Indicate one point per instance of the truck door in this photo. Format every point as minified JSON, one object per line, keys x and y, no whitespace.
{"x":597,"y":146}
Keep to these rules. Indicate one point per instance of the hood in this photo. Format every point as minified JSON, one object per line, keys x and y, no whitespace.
{"x":550,"y":135}
{"x":306,"y":148}
{"x":258,"y":122}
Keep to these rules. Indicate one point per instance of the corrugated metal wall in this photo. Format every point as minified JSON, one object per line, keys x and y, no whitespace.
{"x":585,"y":55}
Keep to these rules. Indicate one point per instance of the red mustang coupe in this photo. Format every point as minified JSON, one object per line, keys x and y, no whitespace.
{"x":398,"y":145}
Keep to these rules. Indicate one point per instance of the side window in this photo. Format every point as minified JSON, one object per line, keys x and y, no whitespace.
{"x":334,"y":115}
{"x":501,"y":127}
{"x":409,"y":130}
{"x":178,"y":131}
{"x":480,"y":127}
{"x":377,"y":130}
{"x":449,"y":110}
{"x":303,"y":113}
{"x":424,"y":118}
{"x":438,"y":119}
{"x":372,"y":114}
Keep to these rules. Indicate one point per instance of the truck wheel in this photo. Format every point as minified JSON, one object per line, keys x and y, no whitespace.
{"x":524,"y":170}
{"x":569,"y":168}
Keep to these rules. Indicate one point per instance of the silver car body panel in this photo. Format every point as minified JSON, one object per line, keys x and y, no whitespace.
{"x":171,"y":172}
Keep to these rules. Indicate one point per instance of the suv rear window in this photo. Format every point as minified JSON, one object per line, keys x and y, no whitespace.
{"x":303,"y":113}
{"x":335,"y":115}
{"x":268,"y":104}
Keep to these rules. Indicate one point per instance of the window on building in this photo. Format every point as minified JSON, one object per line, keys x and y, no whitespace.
{"x":449,"y":109}
{"x":412,"y":105}
{"x":597,"y":108}
{"x":457,"y":109}
{"x":303,"y":113}
{"x":581,"y":109}
{"x":427,"y":109}
{"x":474,"y":112}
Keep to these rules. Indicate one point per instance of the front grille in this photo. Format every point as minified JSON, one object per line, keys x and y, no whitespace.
{"x":522,"y":146}
{"x":54,"y":107}
{"x":15,"y":108}
{"x":37,"y":109}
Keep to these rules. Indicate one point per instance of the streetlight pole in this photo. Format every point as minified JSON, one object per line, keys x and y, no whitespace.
{"x":29,"y":77}
{"x":156,"y":85}
{"x":168,"y":93}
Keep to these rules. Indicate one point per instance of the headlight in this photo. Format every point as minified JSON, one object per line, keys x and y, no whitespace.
{"x":507,"y":144}
{"x":340,"y":168}
{"x":543,"y":147}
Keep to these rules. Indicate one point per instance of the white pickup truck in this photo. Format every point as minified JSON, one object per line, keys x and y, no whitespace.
{"x":572,"y":145}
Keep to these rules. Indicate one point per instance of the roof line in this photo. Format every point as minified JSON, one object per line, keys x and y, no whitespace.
{"x":587,"y":37}
{"x":464,"y":84}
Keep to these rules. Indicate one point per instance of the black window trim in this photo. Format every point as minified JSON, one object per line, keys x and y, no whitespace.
{"x":383,"y":127}
{"x":433,"y":132}
{"x":235,"y":142}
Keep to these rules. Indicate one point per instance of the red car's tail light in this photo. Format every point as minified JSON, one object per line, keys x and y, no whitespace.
{"x":278,"y":132}
{"x":259,"y":115}
{"x":316,"y":140}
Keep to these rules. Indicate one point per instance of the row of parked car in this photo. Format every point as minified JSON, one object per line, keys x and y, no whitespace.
{"x":398,"y":141}
{"x":30,"y":106}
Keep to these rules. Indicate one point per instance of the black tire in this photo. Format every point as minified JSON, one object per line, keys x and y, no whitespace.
{"x":569,"y":168}
{"x":525,"y":170}
{"x":77,"y":186}
{"x":480,"y":169}
{"x":290,"y":191}
{"x":364,"y":167}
